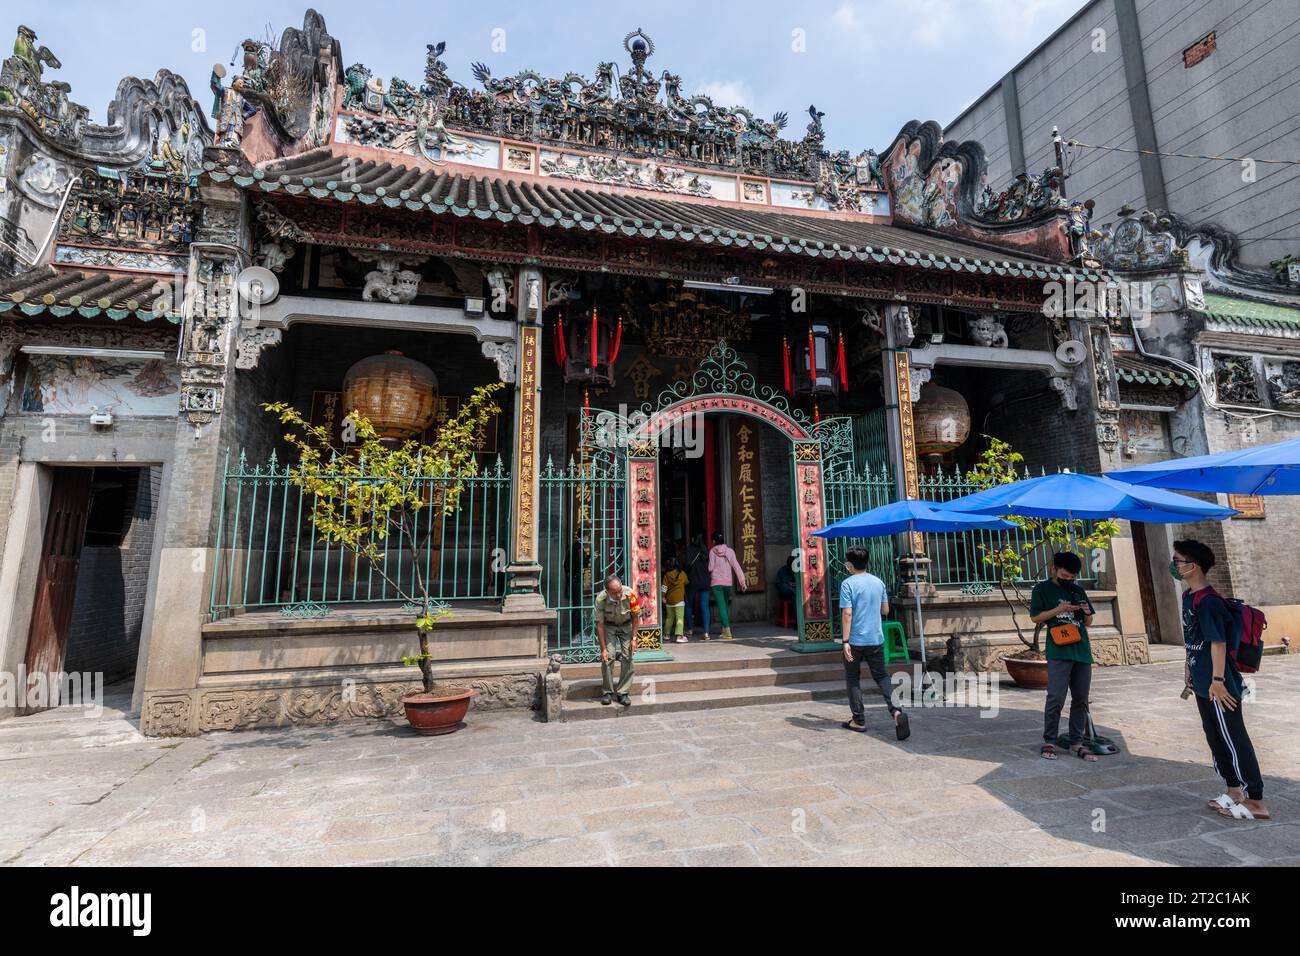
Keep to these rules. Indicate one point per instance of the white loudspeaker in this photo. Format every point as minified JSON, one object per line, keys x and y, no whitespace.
{"x":258,"y":286}
{"x":1071,"y":352}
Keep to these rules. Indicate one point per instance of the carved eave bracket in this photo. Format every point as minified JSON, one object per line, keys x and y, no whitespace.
{"x":505,"y":355}
{"x":1061,"y":377}
{"x":251,"y":343}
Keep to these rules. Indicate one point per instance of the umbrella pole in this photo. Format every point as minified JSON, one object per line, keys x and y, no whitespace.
{"x":920,"y":625}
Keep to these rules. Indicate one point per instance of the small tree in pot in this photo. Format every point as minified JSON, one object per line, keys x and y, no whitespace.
{"x":374,"y":489}
{"x":998,"y":466}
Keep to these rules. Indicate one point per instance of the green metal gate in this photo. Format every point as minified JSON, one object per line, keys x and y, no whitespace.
{"x":856,"y":478}
{"x":581,"y":533}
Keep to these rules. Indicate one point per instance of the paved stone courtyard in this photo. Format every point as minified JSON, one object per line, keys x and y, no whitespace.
{"x":759,"y":785}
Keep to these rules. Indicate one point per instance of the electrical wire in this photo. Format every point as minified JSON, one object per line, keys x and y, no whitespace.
{"x":1157,"y":152}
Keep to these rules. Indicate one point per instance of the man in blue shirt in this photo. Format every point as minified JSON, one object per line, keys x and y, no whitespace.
{"x":863,"y":602}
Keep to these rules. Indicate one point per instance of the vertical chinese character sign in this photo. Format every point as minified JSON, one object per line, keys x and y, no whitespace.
{"x":810,"y":514}
{"x":643,"y":534}
{"x":526,"y":449}
{"x":747,"y":501}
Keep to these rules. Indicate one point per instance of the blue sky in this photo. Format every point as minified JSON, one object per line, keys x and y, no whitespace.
{"x":870,"y":65}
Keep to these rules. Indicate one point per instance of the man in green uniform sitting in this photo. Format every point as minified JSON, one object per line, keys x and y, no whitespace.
{"x":614,"y":612}
{"x":1062,"y":606}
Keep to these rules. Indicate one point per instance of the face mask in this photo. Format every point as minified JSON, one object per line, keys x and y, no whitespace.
{"x":1175,"y":571}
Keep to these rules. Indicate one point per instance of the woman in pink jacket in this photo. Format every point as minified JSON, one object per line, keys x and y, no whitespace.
{"x":724,"y":571}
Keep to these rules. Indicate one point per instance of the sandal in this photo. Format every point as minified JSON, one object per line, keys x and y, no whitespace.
{"x":856,"y":728}
{"x":1083,"y":753}
{"x":1048,"y":752}
{"x":1221,"y":802}
{"x":1239,"y":811}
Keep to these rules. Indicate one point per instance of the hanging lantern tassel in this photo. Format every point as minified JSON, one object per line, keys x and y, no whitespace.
{"x":785,"y":364}
{"x":842,"y":362}
{"x":559,"y":340}
{"x":817,"y":413}
{"x":594,"y":353}
{"x":812,"y":358}
{"x":618,"y":340}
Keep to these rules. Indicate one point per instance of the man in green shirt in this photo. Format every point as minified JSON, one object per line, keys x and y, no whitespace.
{"x":1062,"y":606}
{"x":614,"y":613}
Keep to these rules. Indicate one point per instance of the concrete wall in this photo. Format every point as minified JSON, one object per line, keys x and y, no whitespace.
{"x":1238,"y":101}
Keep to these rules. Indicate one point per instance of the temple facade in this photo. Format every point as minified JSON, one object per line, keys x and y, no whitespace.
{"x":701,"y":322}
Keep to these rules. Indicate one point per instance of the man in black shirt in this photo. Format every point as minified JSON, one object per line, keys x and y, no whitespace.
{"x":1210,"y":633}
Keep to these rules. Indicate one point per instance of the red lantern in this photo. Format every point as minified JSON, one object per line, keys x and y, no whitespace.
{"x":843,"y":364}
{"x":589,"y":349}
{"x":618,"y":340}
{"x":816,"y":377}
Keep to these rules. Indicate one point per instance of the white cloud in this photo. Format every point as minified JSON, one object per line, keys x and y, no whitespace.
{"x":848,"y":16}
{"x":728,"y":92}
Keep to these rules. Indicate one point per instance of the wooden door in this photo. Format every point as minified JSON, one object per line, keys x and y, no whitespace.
{"x":1146,"y":587}
{"x":56,"y":579}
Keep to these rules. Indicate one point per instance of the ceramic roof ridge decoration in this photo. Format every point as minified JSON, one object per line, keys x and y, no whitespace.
{"x":144,"y":118}
{"x":634,"y":127}
{"x":1151,"y":240}
{"x":323,"y":175}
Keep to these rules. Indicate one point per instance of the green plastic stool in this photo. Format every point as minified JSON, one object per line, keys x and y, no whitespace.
{"x":895,"y":642}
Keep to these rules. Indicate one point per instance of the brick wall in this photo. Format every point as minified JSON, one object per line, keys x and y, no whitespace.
{"x":112,"y":587}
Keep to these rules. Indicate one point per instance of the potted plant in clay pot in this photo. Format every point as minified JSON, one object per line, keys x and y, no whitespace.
{"x":367,"y":497}
{"x":997,"y":466}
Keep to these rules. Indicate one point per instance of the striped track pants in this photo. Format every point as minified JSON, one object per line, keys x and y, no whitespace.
{"x":1230,"y":746}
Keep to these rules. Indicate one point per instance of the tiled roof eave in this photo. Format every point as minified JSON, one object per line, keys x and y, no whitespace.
{"x":563,"y":214}
{"x":50,"y":292}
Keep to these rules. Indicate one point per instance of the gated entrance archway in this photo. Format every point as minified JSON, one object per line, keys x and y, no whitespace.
{"x":599,"y":513}
{"x":723,"y":384}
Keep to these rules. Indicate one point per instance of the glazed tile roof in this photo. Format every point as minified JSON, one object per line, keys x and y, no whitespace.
{"x":323,"y":175}
{"x":90,"y":294}
{"x":1265,"y":315}
{"x":1138,"y":372}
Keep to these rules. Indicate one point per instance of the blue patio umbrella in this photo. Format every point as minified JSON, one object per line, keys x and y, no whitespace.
{"x":908,"y":515}
{"x":1068,"y":495}
{"x":1263,"y":470}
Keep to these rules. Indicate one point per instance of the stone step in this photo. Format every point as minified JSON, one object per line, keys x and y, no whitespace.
{"x":704,"y":680}
{"x":721,"y":663}
{"x":707,"y":700}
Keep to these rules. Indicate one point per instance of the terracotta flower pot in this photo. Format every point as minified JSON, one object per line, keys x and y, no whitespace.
{"x":435,"y":713}
{"x":1030,"y":674}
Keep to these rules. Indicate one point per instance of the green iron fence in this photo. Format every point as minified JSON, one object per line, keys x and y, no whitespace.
{"x":580,"y":537}
{"x":848,"y":493}
{"x":956,"y":560}
{"x":855,"y":478}
{"x":269,"y":554}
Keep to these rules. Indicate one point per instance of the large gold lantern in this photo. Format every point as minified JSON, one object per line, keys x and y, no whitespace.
{"x":398,"y":395}
{"x":941,"y":419}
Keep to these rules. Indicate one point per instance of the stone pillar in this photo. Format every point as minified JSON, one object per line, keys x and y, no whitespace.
{"x":168,"y":699}
{"x":524,"y":572}
{"x":913,"y":564}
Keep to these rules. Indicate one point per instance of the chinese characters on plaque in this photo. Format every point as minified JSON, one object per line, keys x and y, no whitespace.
{"x":645,"y":546}
{"x":808,"y":491}
{"x":747,"y":501}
